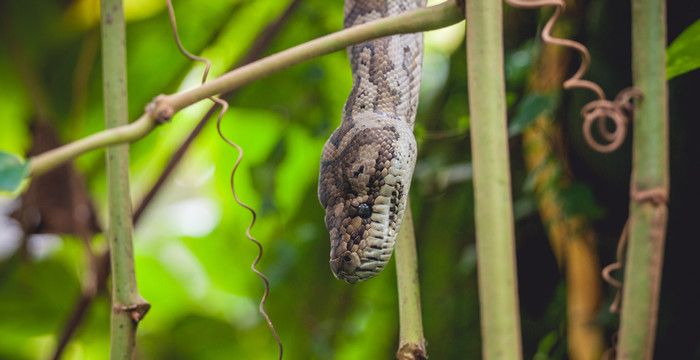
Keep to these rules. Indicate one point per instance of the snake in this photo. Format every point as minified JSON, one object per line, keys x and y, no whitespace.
{"x":367,"y":163}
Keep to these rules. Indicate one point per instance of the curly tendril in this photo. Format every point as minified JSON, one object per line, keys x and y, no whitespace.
{"x":224,"y":107}
{"x":598,"y":111}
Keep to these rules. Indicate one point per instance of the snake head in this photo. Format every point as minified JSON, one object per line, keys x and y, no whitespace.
{"x":365,"y":174}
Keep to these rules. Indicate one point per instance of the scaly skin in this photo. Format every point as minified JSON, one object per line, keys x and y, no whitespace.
{"x":368,"y":162}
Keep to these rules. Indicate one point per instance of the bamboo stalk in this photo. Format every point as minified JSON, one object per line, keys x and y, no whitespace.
{"x":649,"y":184}
{"x":411,"y":340}
{"x":127,"y":305}
{"x":498,"y":296}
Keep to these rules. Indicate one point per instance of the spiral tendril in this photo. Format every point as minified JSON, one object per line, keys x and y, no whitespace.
{"x":596,"y":112}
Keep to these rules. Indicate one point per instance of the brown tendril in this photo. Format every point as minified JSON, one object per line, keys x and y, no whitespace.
{"x":597,"y":111}
{"x":253,"y":266}
{"x":176,"y":35}
{"x":658,"y":197}
{"x":617,"y":265}
{"x":224,"y":107}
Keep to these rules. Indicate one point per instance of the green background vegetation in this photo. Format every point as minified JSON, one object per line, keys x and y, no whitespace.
{"x":192,"y":257}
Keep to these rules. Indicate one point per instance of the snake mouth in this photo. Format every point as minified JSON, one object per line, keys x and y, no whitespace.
{"x":365,"y":261}
{"x":351,"y":269}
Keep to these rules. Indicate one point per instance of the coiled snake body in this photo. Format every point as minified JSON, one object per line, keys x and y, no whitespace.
{"x":367,"y":163}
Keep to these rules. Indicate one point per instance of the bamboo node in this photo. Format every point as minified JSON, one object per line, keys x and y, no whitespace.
{"x":136,"y":311}
{"x":412,"y":351}
{"x":657,"y":195}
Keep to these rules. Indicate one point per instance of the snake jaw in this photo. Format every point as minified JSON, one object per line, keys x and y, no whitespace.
{"x":356,"y":261}
{"x":363,"y":186}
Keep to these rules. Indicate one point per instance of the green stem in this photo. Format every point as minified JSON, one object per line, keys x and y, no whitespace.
{"x":166,"y":106}
{"x":498,"y":296}
{"x":117,"y":135}
{"x":127,"y":305}
{"x":648,"y":210}
{"x":411,"y":340}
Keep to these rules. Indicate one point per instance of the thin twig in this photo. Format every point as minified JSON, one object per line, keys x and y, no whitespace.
{"x":100,"y":271}
{"x":411,"y":340}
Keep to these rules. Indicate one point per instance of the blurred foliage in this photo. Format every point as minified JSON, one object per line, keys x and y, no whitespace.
{"x":192,"y":257}
{"x":684,"y":52}
{"x":12,"y":171}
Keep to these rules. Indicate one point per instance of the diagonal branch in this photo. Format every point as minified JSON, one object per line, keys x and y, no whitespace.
{"x":255,"y":52}
{"x":165,"y":106}
{"x":101,"y":267}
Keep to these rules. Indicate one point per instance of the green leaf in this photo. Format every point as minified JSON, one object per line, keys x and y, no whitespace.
{"x":528,"y":110}
{"x":12,"y":171}
{"x":519,"y":62}
{"x":683,"y":55}
{"x":578,"y":199}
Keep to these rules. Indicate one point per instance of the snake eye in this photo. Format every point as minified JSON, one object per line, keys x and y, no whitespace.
{"x":364,"y":210}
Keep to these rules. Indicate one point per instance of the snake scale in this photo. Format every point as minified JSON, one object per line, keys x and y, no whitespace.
{"x":367,"y":163}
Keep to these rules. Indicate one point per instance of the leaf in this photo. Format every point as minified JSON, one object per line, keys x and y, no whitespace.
{"x":578,"y":199}
{"x":12,"y":171}
{"x":528,"y":110}
{"x":683,"y":55}
{"x":519,"y":62}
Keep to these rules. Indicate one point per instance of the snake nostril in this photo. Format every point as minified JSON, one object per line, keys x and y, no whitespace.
{"x":347,"y":258}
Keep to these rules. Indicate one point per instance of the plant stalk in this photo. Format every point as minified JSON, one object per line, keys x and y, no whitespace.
{"x":127,"y":305}
{"x":101,"y":270}
{"x":422,"y":19}
{"x":495,"y":245}
{"x":411,"y":340}
{"x":649,"y":184}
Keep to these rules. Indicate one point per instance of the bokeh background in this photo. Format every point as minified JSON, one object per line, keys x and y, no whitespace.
{"x":192,"y":257}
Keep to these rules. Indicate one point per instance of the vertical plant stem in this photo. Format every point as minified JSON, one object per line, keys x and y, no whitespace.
{"x":127,"y":305}
{"x":498,"y":295}
{"x":411,"y":340}
{"x":649,"y":185}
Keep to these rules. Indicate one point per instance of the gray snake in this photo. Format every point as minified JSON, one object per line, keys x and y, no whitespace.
{"x":367,"y":163}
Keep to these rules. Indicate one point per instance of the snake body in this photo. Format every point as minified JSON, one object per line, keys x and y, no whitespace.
{"x":367,"y":163}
